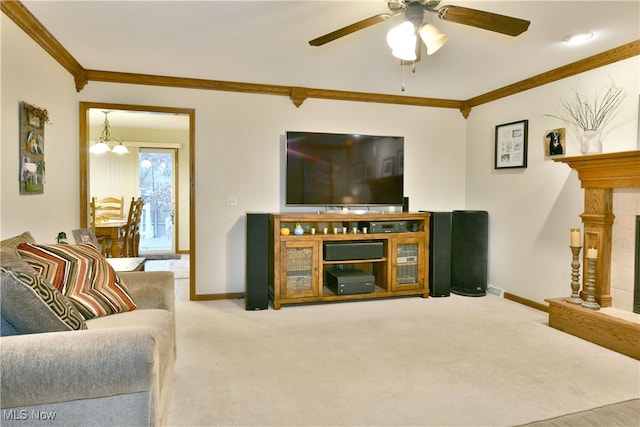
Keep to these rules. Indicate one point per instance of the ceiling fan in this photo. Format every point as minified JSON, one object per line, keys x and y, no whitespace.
{"x":414,"y":13}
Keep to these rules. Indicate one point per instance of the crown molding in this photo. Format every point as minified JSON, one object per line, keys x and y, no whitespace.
{"x":17,"y":12}
{"x":625,"y":51}
{"x":297,"y":94}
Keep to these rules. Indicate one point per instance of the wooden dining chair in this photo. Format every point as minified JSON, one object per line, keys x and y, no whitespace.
{"x":131,"y":239}
{"x":103,"y":210}
{"x":106,"y":208}
{"x":136,"y":230}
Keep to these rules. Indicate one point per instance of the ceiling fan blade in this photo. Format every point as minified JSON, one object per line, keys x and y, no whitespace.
{"x":485,"y":20}
{"x":350,"y":29}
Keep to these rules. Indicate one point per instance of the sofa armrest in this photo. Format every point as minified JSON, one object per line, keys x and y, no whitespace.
{"x":65,"y":366}
{"x":151,"y":289}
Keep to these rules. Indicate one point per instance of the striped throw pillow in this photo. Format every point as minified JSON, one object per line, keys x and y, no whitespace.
{"x":83,"y":275}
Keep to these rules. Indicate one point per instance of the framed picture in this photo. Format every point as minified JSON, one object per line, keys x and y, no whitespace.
{"x":34,"y":120}
{"x":554,"y":141}
{"x":86,"y":235}
{"x":387,"y":166}
{"x":511,"y":145}
{"x":31,"y":166}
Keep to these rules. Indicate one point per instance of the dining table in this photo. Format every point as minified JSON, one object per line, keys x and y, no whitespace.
{"x":113,"y":229}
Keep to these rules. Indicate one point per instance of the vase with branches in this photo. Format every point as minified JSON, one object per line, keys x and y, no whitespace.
{"x":591,"y":115}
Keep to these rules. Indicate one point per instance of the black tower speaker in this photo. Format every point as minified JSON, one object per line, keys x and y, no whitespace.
{"x":405,"y":204}
{"x":469,"y":252}
{"x":259,"y":262}
{"x":440,"y":254}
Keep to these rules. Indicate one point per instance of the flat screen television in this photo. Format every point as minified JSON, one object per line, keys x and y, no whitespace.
{"x":331,"y":169}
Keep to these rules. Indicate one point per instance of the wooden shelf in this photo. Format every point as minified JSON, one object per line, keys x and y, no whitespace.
{"x":608,"y":170}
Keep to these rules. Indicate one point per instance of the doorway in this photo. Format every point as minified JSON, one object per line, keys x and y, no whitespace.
{"x":183,"y":227}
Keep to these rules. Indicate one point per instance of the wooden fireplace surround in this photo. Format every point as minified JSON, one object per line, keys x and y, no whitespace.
{"x":599,"y":175}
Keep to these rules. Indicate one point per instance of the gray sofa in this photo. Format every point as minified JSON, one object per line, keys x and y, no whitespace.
{"x":117,"y":371}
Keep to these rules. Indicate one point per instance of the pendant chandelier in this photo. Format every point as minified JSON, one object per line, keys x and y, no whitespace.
{"x":102,"y":145}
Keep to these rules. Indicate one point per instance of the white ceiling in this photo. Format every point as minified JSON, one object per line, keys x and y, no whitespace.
{"x":137,"y":119}
{"x":267,"y":42}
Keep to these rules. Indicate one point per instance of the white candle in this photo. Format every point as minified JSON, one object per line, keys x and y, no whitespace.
{"x":575,"y":237}
{"x":592,"y":253}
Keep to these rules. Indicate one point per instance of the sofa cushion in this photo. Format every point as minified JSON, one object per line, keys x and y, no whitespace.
{"x":31,"y":305}
{"x":160,"y":324}
{"x":81,"y":273}
{"x":10,"y":260}
{"x":13,"y":242}
{"x":9,"y":257}
{"x":6,"y":328}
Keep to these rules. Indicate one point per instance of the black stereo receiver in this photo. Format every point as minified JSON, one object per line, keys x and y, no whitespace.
{"x":350,"y":281}
{"x":386,"y":226}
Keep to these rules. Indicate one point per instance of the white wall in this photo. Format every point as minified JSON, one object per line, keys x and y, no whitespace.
{"x":531,"y":210}
{"x":29,"y":75}
{"x":239,"y":151}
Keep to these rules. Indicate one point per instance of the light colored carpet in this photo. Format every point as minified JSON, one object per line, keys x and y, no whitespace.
{"x":616,"y":415}
{"x":453,"y":361}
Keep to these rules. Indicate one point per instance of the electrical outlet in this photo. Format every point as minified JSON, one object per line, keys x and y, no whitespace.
{"x":232,"y":200}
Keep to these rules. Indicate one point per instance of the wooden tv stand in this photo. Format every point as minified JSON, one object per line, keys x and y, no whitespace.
{"x":300,"y":267}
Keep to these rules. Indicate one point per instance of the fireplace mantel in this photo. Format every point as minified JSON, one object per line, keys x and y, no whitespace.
{"x":599,"y":174}
{"x":609,"y":170}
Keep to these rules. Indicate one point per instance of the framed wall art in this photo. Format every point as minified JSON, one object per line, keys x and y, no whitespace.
{"x":511,"y":145}
{"x":86,"y":235}
{"x":31,"y":151}
{"x":554,"y":142}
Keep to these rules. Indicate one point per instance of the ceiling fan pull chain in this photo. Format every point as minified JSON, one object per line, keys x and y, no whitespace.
{"x":402,"y":66}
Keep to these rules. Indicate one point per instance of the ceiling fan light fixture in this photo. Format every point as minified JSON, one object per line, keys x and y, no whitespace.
{"x":401,"y":36}
{"x":405,"y":54}
{"x":432,"y":38}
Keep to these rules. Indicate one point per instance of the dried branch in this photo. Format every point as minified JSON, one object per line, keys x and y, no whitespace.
{"x":595,"y":114}
{"x":37,"y":111}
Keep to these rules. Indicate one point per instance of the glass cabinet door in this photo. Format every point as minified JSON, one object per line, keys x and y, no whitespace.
{"x":408,"y":264}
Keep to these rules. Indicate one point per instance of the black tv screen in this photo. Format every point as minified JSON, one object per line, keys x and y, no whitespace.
{"x":330,"y":169}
